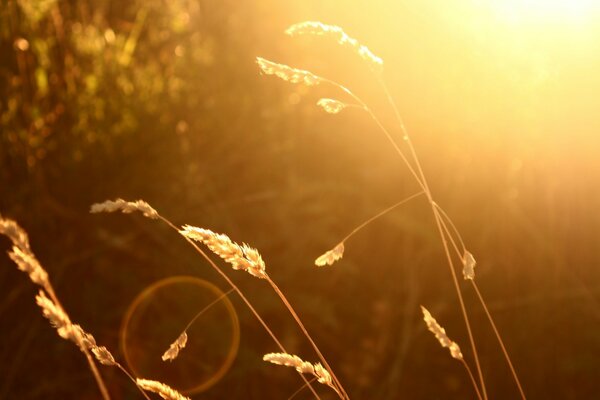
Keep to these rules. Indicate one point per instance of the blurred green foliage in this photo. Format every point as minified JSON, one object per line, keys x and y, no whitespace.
{"x":76,"y":74}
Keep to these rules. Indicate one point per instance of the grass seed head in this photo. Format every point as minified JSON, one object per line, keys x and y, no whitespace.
{"x":469,"y":265}
{"x":164,"y":391}
{"x":330,"y":256}
{"x":440,"y":334}
{"x":287,"y":73}
{"x":126,"y":207}
{"x":241,"y":257}
{"x":173,"y":350}
{"x":338,"y":34}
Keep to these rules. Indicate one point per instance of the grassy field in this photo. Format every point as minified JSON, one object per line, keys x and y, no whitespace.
{"x":164,"y":101}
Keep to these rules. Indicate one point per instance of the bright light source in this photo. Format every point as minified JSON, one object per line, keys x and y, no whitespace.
{"x":546,"y":11}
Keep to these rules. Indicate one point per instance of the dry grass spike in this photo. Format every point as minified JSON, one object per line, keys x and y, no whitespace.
{"x":336,"y":32}
{"x":331,"y":256}
{"x":468,"y":265}
{"x":241,"y":257}
{"x":173,"y":350}
{"x":303,"y":367}
{"x":440,"y":334}
{"x":15,"y":233}
{"x":164,"y":391}
{"x":126,"y":207}
{"x":331,"y":106}
{"x":287,"y":73}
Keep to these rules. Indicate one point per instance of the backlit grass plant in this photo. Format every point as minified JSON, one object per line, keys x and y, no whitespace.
{"x":243,"y":257}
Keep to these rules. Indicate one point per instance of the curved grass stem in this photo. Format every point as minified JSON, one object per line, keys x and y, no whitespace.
{"x":301,"y":388}
{"x":473,"y":381}
{"x":242,"y":296}
{"x":88,"y":356}
{"x":500,"y":341}
{"x":340,"y":389}
{"x":380,"y":214}
{"x":489,"y":316}
{"x":436,"y":215}
{"x":206,"y":308}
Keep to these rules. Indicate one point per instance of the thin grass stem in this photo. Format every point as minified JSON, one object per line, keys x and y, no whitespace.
{"x":437,"y":218}
{"x":500,"y":341}
{"x":285,"y":301}
{"x":206,"y":308}
{"x":133,"y":380}
{"x":473,"y":381}
{"x":242,"y":296}
{"x":490,"y":318}
{"x":380,"y":214}
{"x":301,"y":388}
{"x":92,"y":364}
{"x":456,"y":232}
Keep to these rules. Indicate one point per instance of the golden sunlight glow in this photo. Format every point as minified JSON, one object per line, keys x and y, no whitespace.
{"x":546,"y":11}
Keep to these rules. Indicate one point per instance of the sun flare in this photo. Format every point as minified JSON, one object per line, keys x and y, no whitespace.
{"x":547,"y":11}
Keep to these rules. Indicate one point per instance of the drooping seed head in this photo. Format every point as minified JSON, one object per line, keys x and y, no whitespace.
{"x":126,"y":207}
{"x":241,"y":257}
{"x":440,"y":334}
{"x":468,"y":265}
{"x":338,"y":34}
{"x":331,"y":256}
{"x":287,"y":73}
{"x":164,"y":391}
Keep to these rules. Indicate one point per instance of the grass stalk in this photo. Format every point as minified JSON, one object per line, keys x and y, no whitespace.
{"x":437,"y":218}
{"x":473,"y":381}
{"x":484,"y":306}
{"x":379,"y":214}
{"x":242,"y":296}
{"x":341,"y":392}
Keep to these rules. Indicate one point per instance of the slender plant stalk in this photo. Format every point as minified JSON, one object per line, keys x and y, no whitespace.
{"x":88,"y":356}
{"x":133,"y":380}
{"x":456,"y":232}
{"x":381,"y":126}
{"x":381,"y":213}
{"x":500,"y":341}
{"x":212,"y":303}
{"x":301,"y":388}
{"x":485,"y":308}
{"x":343,"y":393}
{"x":437,"y":218}
{"x":461,"y":301}
{"x":421,"y":180}
{"x":473,"y":381}
{"x":97,"y":376}
{"x":242,"y":296}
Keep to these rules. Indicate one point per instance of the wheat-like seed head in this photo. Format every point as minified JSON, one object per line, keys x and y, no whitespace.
{"x":290,"y":360}
{"x":104,"y":356}
{"x":287,"y":73}
{"x":241,"y":257}
{"x":331,"y":256}
{"x":164,"y":391}
{"x":440,"y":334}
{"x":338,"y":34}
{"x":21,"y":252}
{"x":126,"y":207}
{"x":57,"y":317}
{"x":67,"y":330}
{"x":331,"y":106}
{"x":468,"y":265}
{"x":303,"y":367}
{"x":27,"y":262}
{"x":173,"y":350}
{"x":15,"y":233}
